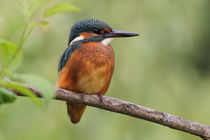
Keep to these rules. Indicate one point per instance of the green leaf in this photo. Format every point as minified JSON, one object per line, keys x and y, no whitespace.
{"x":44,"y":24}
{"x":22,"y":89}
{"x":7,"y":51}
{"x":6,"y":96}
{"x":61,"y":7}
{"x":45,"y":86}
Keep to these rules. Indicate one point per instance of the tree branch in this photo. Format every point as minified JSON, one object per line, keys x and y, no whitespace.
{"x":137,"y":111}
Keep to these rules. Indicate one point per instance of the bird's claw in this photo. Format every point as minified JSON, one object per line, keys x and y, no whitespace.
{"x":100,"y":97}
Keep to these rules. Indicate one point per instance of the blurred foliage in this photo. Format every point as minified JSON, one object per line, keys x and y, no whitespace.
{"x":166,"y":68}
{"x":61,"y":7}
{"x":6,"y":96}
{"x":11,"y":54}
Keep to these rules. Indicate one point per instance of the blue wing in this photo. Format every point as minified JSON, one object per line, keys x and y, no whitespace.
{"x":67,"y":54}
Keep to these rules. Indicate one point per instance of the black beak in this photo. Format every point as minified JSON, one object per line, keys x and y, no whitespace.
{"x":116,"y":33}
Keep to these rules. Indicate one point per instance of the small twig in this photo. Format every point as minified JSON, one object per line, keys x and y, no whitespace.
{"x":137,"y":111}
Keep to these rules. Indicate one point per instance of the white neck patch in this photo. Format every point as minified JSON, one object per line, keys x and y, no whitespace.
{"x":77,"y":39}
{"x":106,"y":41}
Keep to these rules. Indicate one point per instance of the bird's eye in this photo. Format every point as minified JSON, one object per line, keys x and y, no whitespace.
{"x":97,"y":31}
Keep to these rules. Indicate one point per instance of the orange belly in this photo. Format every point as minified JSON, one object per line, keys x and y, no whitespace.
{"x":89,"y":69}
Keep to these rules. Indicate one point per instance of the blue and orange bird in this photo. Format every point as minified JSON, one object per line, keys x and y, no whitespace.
{"x":87,"y":65}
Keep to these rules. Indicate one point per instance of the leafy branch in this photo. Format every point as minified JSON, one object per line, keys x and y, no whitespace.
{"x":11,"y":54}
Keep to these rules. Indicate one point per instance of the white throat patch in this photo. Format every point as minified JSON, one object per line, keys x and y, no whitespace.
{"x":106,"y":41}
{"x":77,"y":39}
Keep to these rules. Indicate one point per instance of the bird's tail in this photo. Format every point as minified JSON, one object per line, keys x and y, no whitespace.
{"x":75,"y":111}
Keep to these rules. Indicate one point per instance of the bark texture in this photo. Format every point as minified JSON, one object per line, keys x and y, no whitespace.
{"x":134,"y":110}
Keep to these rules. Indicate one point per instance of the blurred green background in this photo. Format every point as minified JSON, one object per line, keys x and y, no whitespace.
{"x":167,"y":68}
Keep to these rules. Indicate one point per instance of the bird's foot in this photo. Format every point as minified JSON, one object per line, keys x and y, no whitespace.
{"x":100,"y":97}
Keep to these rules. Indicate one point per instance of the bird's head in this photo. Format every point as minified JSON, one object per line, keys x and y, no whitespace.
{"x":95,"y":31}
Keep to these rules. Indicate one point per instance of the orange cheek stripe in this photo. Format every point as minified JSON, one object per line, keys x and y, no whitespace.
{"x":88,"y":35}
{"x":106,"y":30}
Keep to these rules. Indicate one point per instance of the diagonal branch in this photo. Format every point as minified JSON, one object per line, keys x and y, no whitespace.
{"x":134,"y":110}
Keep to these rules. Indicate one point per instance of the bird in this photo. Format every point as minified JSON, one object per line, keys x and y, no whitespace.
{"x":87,"y":64}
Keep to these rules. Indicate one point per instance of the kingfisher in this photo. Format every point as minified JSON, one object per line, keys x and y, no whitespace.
{"x":87,"y":64}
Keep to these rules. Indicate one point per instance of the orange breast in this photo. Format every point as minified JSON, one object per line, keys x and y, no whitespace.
{"x":89,"y":69}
